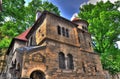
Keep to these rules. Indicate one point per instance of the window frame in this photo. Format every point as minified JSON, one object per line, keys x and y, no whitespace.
{"x":62,"y":60}
{"x":70,"y":64}
{"x":59,"y":30}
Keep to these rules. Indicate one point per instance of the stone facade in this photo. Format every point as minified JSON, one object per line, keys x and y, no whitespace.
{"x":56,"y":48}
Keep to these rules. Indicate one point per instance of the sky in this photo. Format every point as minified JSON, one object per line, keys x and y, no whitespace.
{"x":69,"y":7}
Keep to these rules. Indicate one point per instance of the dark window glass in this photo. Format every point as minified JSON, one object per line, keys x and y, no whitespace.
{"x":79,"y":39}
{"x":61,"y":60}
{"x":95,"y":69}
{"x":89,"y":44}
{"x":67,"y":33}
{"x":31,"y":39}
{"x":59,"y":30}
{"x":83,"y":66}
{"x":70,"y":61}
{"x":63,"y":31}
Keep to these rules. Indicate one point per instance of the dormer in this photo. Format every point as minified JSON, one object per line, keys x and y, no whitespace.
{"x":82,"y":24}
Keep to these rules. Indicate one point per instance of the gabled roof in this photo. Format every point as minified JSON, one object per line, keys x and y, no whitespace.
{"x":23,"y":35}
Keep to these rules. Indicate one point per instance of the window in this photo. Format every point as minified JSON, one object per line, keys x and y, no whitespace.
{"x":83,"y":66}
{"x":59,"y":30}
{"x":14,"y":64}
{"x":61,"y":60}
{"x":70,"y":61}
{"x":79,"y":38}
{"x":89,"y":44}
{"x":31,"y":39}
{"x":63,"y":31}
{"x":67,"y":33}
{"x":95,"y":69}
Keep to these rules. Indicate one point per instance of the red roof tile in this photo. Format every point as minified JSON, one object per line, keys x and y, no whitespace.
{"x":22,"y":36}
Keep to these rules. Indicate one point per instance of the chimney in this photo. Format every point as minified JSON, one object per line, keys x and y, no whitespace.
{"x":0,"y":5}
{"x":38,"y":13}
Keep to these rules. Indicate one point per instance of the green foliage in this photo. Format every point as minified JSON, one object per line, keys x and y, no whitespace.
{"x":16,"y":17}
{"x":111,"y":60}
{"x":104,"y":26}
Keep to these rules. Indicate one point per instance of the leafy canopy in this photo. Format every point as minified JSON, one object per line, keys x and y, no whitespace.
{"x":104,"y":25}
{"x":16,"y":17}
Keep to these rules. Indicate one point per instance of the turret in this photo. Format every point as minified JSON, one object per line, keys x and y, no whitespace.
{"x":82,"y":24}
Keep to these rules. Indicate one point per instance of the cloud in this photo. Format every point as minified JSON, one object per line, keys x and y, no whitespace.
{"x":74,"y":16}
{"x":94,"y":1}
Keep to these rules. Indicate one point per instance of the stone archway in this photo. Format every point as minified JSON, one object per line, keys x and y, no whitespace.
{"x":37,"y":75}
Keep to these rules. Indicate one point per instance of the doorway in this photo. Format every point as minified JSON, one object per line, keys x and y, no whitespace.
{"x":37,"y":75}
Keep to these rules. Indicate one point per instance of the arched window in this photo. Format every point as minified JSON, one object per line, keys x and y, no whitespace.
{"x":70,"y":61}
{"x":59,"y":30}
{"x":67,"y":33}
{"x":63,"y":31}
{"x":61,"y":60}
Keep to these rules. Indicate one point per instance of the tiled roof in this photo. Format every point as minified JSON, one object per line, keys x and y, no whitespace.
{"x":22,"y":36}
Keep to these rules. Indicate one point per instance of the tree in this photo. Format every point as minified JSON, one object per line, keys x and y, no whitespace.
{"x":16,"y":17}
{"x":104,"y":26}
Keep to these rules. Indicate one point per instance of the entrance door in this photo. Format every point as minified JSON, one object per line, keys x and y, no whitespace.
{"x":37,"y":75}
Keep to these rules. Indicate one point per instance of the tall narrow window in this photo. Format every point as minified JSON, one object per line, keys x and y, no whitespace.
{"x":14,"y":64}
{"x":31,"y":39}
{"x":89,"y":44}
{"x":67,"y":33}
{"x":95,"y":69}
{"x":61,"y":60}
{"x":70,"y":61}
{"x":59,"y":30}
{"x":63,"y":31}
{"x":83,"y":66}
